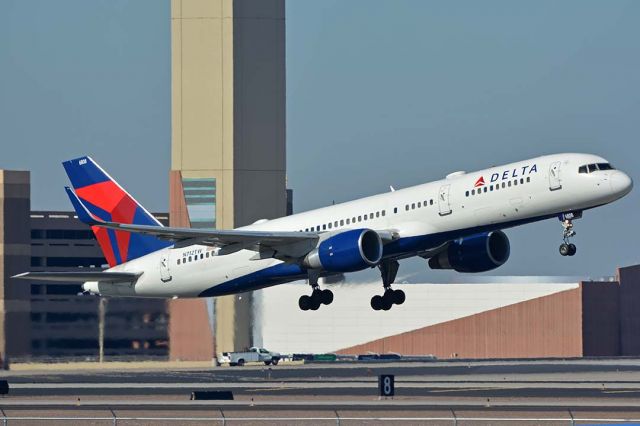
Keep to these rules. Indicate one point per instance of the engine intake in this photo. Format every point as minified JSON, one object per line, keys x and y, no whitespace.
{"x":346,"y":251}
{"x":477,"y":253}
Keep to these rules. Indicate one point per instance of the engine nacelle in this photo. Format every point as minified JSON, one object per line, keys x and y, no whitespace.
{"x":346,"y":251}
{"x":477,"y":253}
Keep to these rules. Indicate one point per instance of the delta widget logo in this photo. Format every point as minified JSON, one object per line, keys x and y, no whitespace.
{"x":479,"y":182}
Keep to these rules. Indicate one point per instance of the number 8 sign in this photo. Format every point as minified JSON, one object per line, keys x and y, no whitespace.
{"x":386,"y":384}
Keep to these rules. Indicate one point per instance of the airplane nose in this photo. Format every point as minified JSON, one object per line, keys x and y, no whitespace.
{"x":621,"y":183}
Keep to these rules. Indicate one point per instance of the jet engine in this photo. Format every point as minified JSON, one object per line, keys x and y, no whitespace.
{"x":346,"y":251}
{"x":477,"y":253}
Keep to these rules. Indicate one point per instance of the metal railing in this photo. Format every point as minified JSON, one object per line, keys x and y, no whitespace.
{"x":114,"y":419}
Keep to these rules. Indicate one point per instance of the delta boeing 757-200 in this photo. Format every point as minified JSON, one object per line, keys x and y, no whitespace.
{"x":454,"y":223}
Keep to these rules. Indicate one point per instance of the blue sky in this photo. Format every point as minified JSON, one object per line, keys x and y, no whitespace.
{"x":379,"y":92}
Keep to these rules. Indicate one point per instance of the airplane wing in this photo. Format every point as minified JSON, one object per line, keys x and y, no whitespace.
{"x":286,"y":243}
{"x":80,"y":277}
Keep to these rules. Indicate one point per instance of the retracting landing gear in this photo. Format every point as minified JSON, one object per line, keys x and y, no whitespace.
{"x":388,"y":271}
{"x":318,"y":297}
{"x":567,"y":248}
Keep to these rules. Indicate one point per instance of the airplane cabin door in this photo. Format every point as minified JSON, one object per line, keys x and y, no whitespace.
{"x":165,"y":272}
{"x":554,"y":176}
{"x":443,"y":200}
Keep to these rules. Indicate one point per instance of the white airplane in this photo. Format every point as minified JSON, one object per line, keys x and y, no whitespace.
{"x":456,"y":223}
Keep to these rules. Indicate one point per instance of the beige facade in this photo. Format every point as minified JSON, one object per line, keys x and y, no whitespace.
{"x":228,"y":127}
{"x":15,"y":255}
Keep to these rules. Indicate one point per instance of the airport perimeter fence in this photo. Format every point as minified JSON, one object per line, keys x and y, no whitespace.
{"x":338,"y":420}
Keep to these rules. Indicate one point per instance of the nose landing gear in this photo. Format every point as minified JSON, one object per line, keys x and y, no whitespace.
{"x":567,"y":248}
{"x":388,"y":271}
{"x":318,"y":297}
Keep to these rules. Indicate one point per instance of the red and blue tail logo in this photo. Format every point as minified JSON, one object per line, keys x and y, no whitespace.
{"x":107,"y":200}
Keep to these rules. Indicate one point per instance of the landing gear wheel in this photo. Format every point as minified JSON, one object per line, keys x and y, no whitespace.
{"x":376,"y":302}
{"x":572,"y":249}
{"x":326,"y":296}
{"x":399,"y":297}
{"x":304,"y":302}
{"x":564,"y":249}
{"x":387,"y":301}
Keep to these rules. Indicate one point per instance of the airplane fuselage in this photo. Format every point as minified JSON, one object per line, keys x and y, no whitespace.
{"x":420,"y":218}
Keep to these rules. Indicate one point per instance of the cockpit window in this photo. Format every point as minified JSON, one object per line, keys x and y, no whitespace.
{"x":582,"y":169}
{"x":605,"y":166}
{"x":592,"y":168}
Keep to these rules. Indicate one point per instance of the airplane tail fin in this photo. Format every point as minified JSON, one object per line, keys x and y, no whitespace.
{"x":104,"y":198}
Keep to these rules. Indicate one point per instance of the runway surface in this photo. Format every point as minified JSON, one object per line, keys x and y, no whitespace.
{"x":565,"y":388}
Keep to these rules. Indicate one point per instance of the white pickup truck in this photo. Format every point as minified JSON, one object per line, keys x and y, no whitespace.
{"x":252,"y":355}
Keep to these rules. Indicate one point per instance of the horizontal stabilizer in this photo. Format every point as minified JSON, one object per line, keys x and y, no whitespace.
{"x":80,"y":277}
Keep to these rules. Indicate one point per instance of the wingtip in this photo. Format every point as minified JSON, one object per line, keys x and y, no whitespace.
{"x":21,"y":276}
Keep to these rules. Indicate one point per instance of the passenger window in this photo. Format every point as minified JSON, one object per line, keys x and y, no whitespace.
{"x":515,"y":182}
{"x":342,"y":222}
{"x":473,"y":192}
{"x":592,"y":168}
{"x":528,"y":179}
{"x":466,"y":194}
{"x":509,"y":183}
{"x":406,"y":207}
{"x":207,"y":253}
{"x":359,"y":218}
{"x":189,"y":258}
{"x":419,"y":204}
{"x":395,"y":210}
{"x":353,"y":220}
{"x":521,"y":181}
{"x":365,"y":217}
{"x":178,"y":261}
{"x":201,"y":256}
{"x":377,"y":214}
{"x":431,"y":201}
{"x":335,"y":224}
{"x":504,"y":184}
{"x":370,"y":215}
{"x":330,"y":225}
{"x":324,"y":227}
{"x":485,"y":189}
{"x":413,"y":206}
{"x":383,"y":213}
{"x":491,"y":188}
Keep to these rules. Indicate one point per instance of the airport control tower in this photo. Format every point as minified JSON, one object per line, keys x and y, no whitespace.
{"x":228,"y":144}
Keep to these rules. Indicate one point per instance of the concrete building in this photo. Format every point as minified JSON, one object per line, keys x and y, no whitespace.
{"x":15,"y":254}
{"x":228,"y":144}
{"x":65,"y":325}
{"x":49,"y":320}
{"x":495,"y":317}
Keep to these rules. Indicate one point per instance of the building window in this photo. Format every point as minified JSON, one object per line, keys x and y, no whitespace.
{"x":200,"y":198}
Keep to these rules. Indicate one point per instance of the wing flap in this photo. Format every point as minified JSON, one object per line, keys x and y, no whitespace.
{"x":80,"y":277}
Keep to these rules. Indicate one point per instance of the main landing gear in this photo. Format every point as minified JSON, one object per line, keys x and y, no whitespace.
{"x":388,"y":271}
{"x":318,"y":297}
{"x":567,"y":248}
